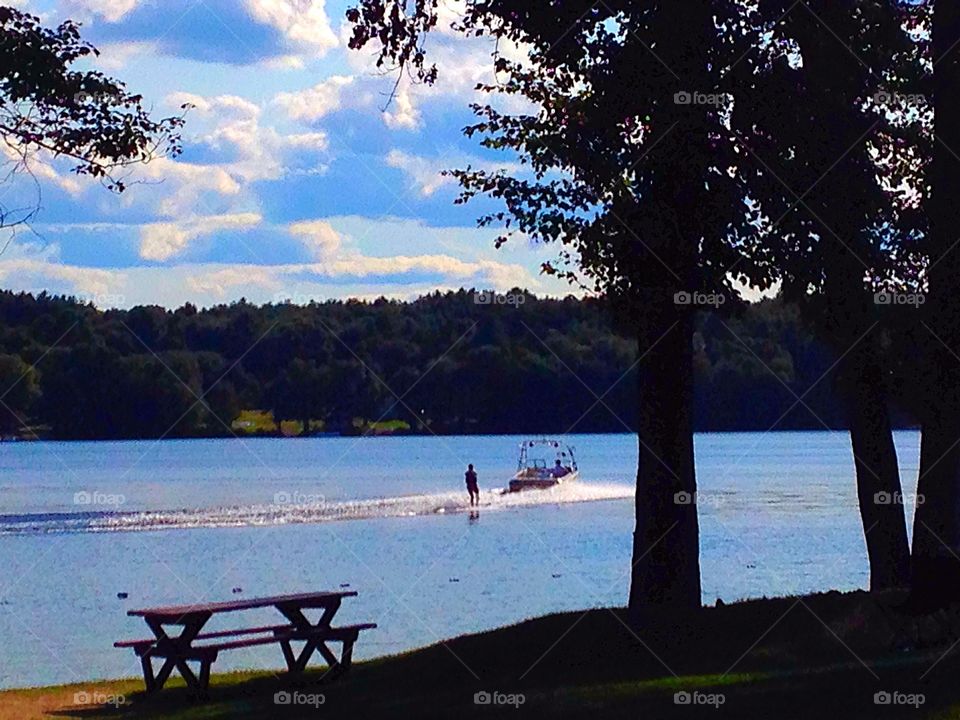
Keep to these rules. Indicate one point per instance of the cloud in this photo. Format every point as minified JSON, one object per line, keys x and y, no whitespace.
{"x":115,"y":56}
{"x":237,"y":149}
{"x":318,"y":236}
{"x":110,"y":10}
{"x":232,"y":105}
{"x":316,"y":102}
{"x":402,"y":112}
{"x":426,"y":174}
{"x":163,"y":240}
{"x":304,"y":22}
{"x":179,"y":185}
{"x":258,"y":152}
{"x":40,"y":163}
{"x":284,"y":62}
{"x":220,"y":282}
{"x":26,"y":266}
{"x":497,"y":274}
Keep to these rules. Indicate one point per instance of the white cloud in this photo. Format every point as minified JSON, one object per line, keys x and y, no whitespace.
{"x":232,"y":105}
{"x":426,"y":174}
{"x":163,"y":240}
{"x":260,"y":152}
{"x":220,"y":282}
{"x":402,"y":113}
{"x":179,"y":185}
{"x":318,"y":236}
{"x":40,"y":163}
{"x":29,"y":266}
{"x":116,"y":56}
{"x":304,"y":22}
{"x":497,"y":274}
{"x":284,"y":62}
{"x":314,"y":103}
{"x":110,"y":10}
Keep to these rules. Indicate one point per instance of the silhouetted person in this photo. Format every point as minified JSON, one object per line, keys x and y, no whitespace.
{"x":559,"y":470}
{"x":472,"y":487}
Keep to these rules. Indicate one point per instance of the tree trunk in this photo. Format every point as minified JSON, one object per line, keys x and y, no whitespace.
{"x":936,"y":569}
{"x":878,"y":474}
{"x":666,"y":549}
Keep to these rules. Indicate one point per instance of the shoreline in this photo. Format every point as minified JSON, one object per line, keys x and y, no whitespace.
{"x":406,"y":434}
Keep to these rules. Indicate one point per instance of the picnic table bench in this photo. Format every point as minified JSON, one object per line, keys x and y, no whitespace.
{"x":192,"y":645}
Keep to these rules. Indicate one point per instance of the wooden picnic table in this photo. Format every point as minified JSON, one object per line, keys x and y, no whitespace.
{"x":190,"y":644}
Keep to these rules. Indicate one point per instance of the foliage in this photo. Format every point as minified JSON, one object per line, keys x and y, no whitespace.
{"x":439,"y":364}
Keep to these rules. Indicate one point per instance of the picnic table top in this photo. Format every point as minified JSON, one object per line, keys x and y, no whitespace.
{"x":300,"y":599}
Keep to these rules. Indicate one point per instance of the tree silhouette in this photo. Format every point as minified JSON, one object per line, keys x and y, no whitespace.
{"x":633,"y":173}
{"x":823,"y":119}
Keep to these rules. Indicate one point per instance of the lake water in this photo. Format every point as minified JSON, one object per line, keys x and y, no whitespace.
{"x":191,"y":521}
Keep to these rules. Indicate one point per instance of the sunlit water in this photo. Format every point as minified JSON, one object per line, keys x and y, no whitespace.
{"x":177,"y":522}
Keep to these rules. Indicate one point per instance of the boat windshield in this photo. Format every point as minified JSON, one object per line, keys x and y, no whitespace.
{"x":543,"y":455}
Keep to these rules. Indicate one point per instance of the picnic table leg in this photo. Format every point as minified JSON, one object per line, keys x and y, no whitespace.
{"x":164,"y":673}
{"x":328,"y":655}
{"x":205,"y":672}
{"x":295,"y":615}
{"x":148,"y":678}
{"x":172,"y":648}
{"x":187,"y":674}
{"x":346,"y":656}
{"x":288,"y":655}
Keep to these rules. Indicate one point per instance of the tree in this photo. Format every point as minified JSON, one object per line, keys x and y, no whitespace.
{"x":633,"y":173}
{"x":936,"y":529}
{"x":47,"y":107}
{"x":817,"y":121}
{"x":20,"y":391}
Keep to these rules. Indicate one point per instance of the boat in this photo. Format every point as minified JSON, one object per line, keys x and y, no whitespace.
{"x":544,"y":464}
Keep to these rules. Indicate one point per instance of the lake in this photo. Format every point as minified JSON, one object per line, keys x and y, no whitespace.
{"x":197,"y":520}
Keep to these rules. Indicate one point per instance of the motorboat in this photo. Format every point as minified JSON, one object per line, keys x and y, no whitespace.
{"x":544,"y":464}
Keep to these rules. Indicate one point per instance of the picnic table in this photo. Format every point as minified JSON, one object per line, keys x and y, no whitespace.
{"x":190,"y":644}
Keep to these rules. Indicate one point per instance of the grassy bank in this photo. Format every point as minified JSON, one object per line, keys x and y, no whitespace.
{"x":817,"y":656}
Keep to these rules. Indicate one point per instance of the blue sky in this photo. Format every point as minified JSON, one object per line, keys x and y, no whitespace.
{"x":294,"y":183}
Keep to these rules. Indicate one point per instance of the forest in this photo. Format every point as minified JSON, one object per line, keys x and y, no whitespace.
{"x":443,"y":363}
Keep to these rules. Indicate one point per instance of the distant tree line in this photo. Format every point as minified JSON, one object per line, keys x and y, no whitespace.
{"x":442,"y":363}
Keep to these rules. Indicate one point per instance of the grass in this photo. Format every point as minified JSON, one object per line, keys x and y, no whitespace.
{"x":821,"y":656}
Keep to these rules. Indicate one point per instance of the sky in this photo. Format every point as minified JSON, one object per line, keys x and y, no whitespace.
{"x":298,"y":181}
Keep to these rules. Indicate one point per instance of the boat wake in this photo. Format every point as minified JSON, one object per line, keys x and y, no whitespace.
{"x":315,"y":512}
